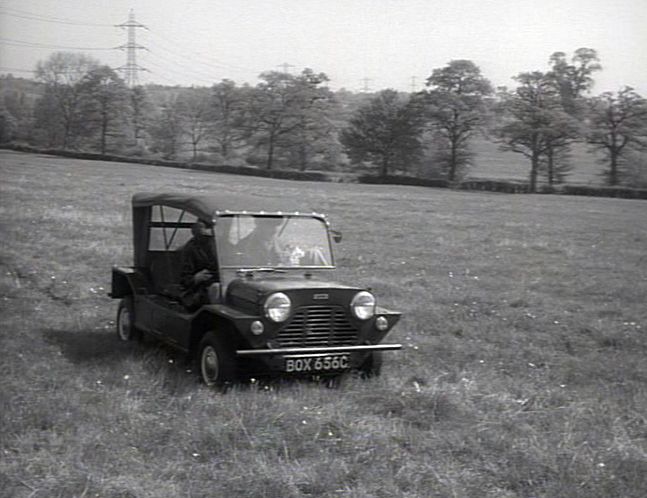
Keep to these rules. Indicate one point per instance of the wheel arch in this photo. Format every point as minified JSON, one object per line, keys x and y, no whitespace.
{"x":208,"y":321}
{"x":126,"y":282}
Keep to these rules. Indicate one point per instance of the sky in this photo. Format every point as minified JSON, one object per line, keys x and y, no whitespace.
{"x":359,"y":44}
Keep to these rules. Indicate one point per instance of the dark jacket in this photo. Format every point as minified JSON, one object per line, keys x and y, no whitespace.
{"x":198,"y":254}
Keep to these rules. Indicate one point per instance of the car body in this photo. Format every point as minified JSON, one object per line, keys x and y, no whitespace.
{"x":262,"y":317}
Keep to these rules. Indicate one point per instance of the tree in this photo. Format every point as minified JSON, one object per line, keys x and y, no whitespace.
{"x":455,"y":108}
{"x":47,"y":119}
{"x":227,"y":115}
{"x":618,"y":121}
{"x":280,"y":105}
{"x":386,"y":132}
{"x":8,"y":124}
{"x":62,"y":73}
{"x":315,"y":129}
{"x":105,"y":103}
{"x":140,"y":110}
{"x":166,"y":130}
{"x":534,"y":121}
{"x":574,"y":79}
{"x":193,"y":106}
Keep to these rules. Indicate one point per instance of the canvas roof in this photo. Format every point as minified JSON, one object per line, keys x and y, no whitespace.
{"x":206,"y":206}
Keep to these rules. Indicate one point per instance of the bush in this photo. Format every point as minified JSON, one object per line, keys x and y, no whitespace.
{"x":622,"y":192}
{"x":403,"y":180}
{"x":509,"y":187}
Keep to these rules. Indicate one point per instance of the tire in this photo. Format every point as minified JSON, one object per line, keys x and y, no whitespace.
{"x":372,"y":365}
{"x":216,"y":362}
{"x":126,"y":330}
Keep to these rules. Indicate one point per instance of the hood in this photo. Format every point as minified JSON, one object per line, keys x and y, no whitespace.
{"x":249,"y":293}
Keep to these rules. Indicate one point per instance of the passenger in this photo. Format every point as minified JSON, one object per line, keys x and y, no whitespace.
{"x":199,"y":267}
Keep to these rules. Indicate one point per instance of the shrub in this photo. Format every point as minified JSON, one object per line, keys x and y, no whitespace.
{"x":509,"y":187}
{"x":622,"y":192}
{"x":403,"y":180}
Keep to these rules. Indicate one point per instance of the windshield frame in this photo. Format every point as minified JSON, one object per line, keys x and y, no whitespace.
{"x":220,"y":251}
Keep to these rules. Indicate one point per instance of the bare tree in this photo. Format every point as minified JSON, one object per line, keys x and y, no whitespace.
{"x":193,"y":106}
{"x":618,"y":121}
{"x":62,"y":74}
{"x":105,"y":104}
{"x":534,"y":121}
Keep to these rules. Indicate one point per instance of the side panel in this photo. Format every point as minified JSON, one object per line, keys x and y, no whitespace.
{"x":127,"y":281}
{"x":164,"y":318}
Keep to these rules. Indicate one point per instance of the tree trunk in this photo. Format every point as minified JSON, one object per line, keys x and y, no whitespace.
{"x":613,"y":173}
{"x":452,"y":162}
{"x":385,"y":167}
{"x":550,"y":154}
{"x":270,"y":153}
{"x":104,"y":132}
{"x":534,"y":168}
{"x":303,"y":158}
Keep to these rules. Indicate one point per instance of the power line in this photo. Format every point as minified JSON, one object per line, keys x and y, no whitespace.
{"x":38,"y":17}
{"x":22,"y":43}
{"x":200,"y":59}
{"x":179,"y":72}
{"x":200,"y":75}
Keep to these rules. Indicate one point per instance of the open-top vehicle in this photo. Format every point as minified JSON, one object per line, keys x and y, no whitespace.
{"x":269,"y":308}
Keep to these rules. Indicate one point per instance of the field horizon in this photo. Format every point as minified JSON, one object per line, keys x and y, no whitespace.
{"x":523,"y":371}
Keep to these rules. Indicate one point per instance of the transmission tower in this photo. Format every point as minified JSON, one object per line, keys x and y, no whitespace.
{"x":366,"y":88}
{"x":131,"y":68}
{"x":286,"y":67}
{"x":414,"y":86}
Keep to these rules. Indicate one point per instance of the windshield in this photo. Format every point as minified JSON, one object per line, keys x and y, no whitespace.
{"x":253,"y":241}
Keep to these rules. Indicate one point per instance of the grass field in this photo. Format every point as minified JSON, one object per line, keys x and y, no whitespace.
{"x":524,"y":372}
{"x":492,"y":163}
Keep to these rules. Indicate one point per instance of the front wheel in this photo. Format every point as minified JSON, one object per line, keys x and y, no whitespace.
{"x":216,"y":362}
{"x":126,"y":319}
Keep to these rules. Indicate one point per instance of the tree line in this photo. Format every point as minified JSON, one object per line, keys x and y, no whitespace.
{"x":296,"y":122}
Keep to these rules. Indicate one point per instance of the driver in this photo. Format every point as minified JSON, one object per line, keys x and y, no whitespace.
{"x":199,"y":266}
{"x":261,"y":246}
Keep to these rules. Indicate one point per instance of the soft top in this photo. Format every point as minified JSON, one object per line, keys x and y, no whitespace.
{"x":207,"y":206}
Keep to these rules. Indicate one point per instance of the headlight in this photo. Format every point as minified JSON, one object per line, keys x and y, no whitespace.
{"x":363,"y":305}
{"x":277,"y":307}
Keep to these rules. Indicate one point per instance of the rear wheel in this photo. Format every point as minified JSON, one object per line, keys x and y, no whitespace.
{"x":126,"y":319}
{"x":372,"y":365}
{"x":216,"y":362}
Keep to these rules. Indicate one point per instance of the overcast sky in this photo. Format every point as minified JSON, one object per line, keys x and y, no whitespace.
{"x":359,"y":43}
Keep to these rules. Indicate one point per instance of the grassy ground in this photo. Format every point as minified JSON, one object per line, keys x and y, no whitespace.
{"x":523,"y":372}
{"x":492,"y":163}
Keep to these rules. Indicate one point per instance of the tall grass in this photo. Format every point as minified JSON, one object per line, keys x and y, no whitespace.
{"x":523,"y":372}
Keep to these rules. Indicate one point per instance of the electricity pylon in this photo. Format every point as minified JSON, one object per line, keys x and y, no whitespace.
{"x":131,"y":68}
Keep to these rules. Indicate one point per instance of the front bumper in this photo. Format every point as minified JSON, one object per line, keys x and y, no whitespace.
{"x":317,"y":350}
{"x":328,"y":360}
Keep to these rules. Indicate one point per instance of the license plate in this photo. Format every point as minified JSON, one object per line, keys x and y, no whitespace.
{"x":327,"y":363}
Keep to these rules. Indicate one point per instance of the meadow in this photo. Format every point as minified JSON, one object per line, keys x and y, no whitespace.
{"x":523,"y":372}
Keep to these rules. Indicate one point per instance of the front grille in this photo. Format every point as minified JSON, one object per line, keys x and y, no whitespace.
{"x":317,"y":326}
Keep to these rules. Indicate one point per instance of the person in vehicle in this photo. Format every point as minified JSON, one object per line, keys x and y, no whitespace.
{"x":199,"y":266}
{"x":261,"y":246}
